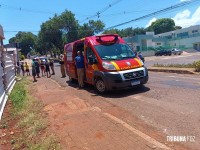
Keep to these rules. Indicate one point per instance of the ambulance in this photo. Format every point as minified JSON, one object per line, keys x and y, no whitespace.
{"x":110,"y":64}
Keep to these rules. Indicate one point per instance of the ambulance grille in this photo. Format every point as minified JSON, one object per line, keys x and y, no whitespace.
{"x":134,"y":75}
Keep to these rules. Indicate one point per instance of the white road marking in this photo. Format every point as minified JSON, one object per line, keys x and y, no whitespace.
{"x":137,"y":132}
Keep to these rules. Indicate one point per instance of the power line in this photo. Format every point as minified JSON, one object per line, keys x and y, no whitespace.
{"x":101,"y":11}
{"x":3,"y":6}
{"x":22,"y":9}
{"x":154,"y":13}
{"x":46,"y":31}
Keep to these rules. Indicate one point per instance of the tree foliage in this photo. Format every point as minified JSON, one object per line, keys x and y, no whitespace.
{"x":27,"y":41}
{"x":90,"y":28}
{"x":126,"y":32}
{"x":162,"y":25}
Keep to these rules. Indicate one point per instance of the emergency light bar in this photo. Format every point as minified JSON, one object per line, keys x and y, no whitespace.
{"x":107,"y":38}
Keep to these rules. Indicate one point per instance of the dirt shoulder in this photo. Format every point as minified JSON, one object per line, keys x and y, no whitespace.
{"x":90,"y":124}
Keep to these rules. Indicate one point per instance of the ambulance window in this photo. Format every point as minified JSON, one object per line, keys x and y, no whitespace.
{"x":89,"y":53}
{"x":126,"y":50}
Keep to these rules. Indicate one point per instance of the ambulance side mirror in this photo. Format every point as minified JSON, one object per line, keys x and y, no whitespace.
{"x":92,"y":60}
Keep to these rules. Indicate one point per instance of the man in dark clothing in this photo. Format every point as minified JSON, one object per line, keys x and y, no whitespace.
{"x":141,"y":57}
{"x":52,"y":66}
{"x":79,"y":61}
{"x":34,"y":70}
{"x":37,"y":67}
{"x":47,"y":69}
{"x":22,"y":68}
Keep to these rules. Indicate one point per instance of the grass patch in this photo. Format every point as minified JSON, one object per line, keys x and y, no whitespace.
{"x":30,"y":122}
{"x":18,"y":95}
{"x":195,"y":65}
{"x":175,"y":65}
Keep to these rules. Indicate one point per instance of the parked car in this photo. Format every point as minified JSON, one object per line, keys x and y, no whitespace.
{"x":43,"y":59}
{"x":163,"y":52}
{"x":176,"y":51}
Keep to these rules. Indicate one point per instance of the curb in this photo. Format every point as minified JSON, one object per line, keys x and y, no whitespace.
{"x":173,"y":70}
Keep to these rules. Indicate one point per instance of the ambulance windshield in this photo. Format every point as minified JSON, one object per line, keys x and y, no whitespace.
{"x":114,"y":51}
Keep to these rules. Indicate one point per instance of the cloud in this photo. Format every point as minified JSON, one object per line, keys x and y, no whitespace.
{"x":150,"y":21}
{"x":185,"y":18}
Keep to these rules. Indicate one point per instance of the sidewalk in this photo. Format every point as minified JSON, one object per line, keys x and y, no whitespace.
{"x":80,"y":126}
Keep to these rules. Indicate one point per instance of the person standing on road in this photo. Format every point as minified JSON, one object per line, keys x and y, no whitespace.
{"x":37,"y":67}
{"x":42,"y":66}
{"x":62,"y":66}
{"x":52,"y":66}
{"x":79,"y":61}
{"x":34,"y":70}
{"x":27,"y":69}
{"x":22,"y":68}
{"x":141,"y":57}
{"x":47,"y":69}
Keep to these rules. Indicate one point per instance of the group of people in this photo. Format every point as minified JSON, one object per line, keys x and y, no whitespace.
{"x":24,"y":68}
{"x":40,"y":65}
{"x":44,"y":65}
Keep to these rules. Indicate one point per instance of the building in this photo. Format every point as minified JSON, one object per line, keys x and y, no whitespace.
{"x":186,"y":38}
{"x":1,"y":36}
{"x":13,"y":49}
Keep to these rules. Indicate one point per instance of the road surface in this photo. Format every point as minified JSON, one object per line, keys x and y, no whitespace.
{"x":185,"y":58}
{"x":168,"y":105}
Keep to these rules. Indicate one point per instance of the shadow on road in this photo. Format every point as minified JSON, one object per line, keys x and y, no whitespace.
{"x":111,"y":94}
{"x":126,"y":92}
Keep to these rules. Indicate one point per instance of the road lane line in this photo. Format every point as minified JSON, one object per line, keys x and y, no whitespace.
{"x":137,"y":132}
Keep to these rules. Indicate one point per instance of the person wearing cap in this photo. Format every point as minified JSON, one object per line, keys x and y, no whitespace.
{"x":62,"y":66}
{"x":79,"y":61}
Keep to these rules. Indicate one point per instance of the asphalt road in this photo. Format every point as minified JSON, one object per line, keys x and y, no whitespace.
{"x":167,"y":105}
{"x":185,"y":58}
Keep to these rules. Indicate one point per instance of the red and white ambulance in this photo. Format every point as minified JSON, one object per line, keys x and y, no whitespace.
{"x":109,"y":63}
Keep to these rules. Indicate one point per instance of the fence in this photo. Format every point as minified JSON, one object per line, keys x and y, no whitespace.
{"x":7,"y":77}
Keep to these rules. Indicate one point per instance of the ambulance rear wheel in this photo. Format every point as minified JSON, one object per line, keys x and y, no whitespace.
{"x":100,"y":86}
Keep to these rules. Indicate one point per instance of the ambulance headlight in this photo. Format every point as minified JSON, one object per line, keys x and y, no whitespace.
{"x":108,"y":66}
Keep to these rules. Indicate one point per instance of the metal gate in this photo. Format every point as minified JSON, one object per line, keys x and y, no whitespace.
{"x":7,"y":77}
{"x":3,"y":96}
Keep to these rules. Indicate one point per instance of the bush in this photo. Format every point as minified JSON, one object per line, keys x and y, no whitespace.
{"x":197,"y":66}
{"x":22,"y":57}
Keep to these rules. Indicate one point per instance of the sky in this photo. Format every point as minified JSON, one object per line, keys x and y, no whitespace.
{"x":27,"y":16}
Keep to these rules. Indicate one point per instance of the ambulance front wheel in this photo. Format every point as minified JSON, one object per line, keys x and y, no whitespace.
{"x":100,"y":86}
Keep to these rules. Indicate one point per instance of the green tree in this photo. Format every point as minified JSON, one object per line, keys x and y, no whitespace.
{"x":90,"y":28}
{"x":57,"y":31}
{"x":113,"y":31}
{"x":27,"y":41}
{"x":162,"y":25}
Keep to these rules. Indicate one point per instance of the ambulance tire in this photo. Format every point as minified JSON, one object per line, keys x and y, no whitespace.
{"x":100,"y":86}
